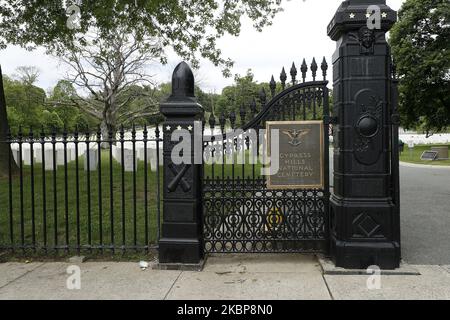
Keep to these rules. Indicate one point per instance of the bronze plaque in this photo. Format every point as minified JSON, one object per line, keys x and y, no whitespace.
{"x":301,"y":164}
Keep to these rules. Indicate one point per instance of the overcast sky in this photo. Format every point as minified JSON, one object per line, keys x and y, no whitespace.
{"x":298,"y":32}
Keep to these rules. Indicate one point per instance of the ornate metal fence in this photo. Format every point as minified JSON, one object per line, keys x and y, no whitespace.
{"x":240,"y":214}
{"x":81,"y":192}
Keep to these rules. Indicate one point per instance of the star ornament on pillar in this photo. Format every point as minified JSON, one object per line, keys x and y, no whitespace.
{"x":368,"y":15}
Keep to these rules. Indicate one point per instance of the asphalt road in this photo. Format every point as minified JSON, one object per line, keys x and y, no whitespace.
{"x":425,"y":214}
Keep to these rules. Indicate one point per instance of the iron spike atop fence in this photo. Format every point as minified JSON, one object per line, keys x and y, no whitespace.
{"x":222,"y":120}
{"x":283,"y":78}
{"x":183,"y":81}
{"x":253,"y":107}
{"x":232,"y":119}
{"x":314,"y":68}
{"x":293,"y":72}
{"x":122,"y":132}
{"x":324,"y":67}
{"x":212,"y":121}
{"x":273,"y":86}
{"x":242,"y":113}
{"x":262,"y":96}
{"x":304,"y":69}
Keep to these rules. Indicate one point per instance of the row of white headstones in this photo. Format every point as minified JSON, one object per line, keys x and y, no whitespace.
{"x":414,"y":139}
{"x":68,"y":154}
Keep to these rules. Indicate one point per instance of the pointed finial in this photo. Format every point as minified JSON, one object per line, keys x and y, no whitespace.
{"x":222,"y":120}
{"x":293,"y":72}
{"x":242,"y":113}
{"x":232,"y":118}
{"x":212,"y":121}
{"x":253,"y":106}
{"x":262,"y":96}
{"x":183,"y":81}
{"x":324,"y":67}
{"x":304,"y":69}
{"x":314,"y":69}
{"x":283,"y":78}
{"x":273,"y":86}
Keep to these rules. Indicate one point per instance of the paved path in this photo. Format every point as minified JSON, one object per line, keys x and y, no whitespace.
{"x":425,"y":214}
{"x":237,"y":277}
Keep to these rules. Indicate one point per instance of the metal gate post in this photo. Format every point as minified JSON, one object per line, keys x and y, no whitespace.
{"x":364,"y":215}
{"x":182,"y":232}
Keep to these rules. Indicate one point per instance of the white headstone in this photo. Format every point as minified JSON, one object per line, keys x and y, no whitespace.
{"x":71,"y":154}
{"x":48,"y":154}
{"x":37,"y":152}
{"x":26,"y":155}
{"x":15,"y":154}
{"x":117,"y":154}
{"x":128,"y":157}
{"x":60,"y":157}
{"x":153,"y":159}
{"x":93,"y":160}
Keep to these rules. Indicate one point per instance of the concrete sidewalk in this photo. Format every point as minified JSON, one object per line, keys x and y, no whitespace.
{"x":239,"y":277}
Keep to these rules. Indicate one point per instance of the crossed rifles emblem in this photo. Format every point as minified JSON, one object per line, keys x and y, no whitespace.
{"x":178,"y":178}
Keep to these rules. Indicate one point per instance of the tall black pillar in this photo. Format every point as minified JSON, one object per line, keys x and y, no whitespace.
{"x":364,"y":215}
{"x":181,"y":239}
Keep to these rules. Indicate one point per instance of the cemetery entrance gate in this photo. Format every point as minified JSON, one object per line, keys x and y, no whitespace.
{"x":240,"y":212}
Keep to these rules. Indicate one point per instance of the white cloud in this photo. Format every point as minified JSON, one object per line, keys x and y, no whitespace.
{"x":298,"y":32}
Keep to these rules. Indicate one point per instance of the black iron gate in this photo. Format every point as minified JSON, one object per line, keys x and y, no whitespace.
{"x":239,"y":213}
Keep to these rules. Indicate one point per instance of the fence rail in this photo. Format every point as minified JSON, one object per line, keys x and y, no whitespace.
{"x":83,"y":192}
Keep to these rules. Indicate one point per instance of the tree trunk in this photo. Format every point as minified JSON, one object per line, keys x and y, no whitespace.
{"x":5,"y":150}
{"x":108,"y":124}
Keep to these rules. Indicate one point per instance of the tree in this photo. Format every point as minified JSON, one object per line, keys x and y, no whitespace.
{"x":420,"y":45}
{"x":241,"y":94}
{"x":113,"y":72}
{"x":28,"y":74}
{"x":25,"y":103}
{"x":190,"y":27}
{"x":60,"y":101}
{"x":6,"y":156}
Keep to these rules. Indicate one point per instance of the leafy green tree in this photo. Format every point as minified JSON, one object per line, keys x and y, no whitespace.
{"x":61,"y":101}
{"x":25,"y":103}
{"x":52,"y":121}
{"x":190,"y":27}
{"x":421,"y":47}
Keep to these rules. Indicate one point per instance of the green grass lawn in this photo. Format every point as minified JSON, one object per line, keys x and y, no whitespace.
{"x":413,"y":156}
{"x":125,"y":219}
{"x":57,"y":222}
